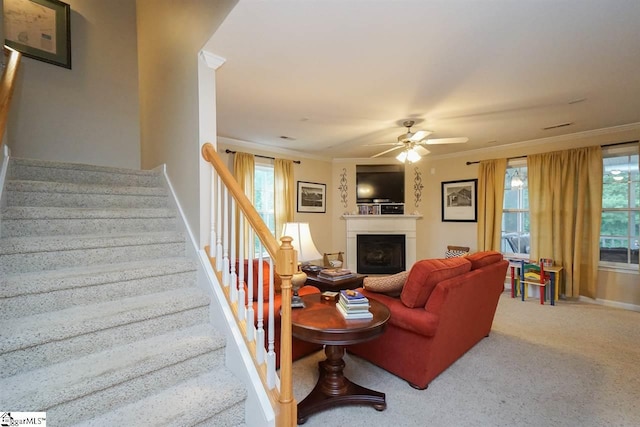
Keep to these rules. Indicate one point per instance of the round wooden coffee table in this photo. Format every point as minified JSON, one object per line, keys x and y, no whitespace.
{"x":320,"y":322}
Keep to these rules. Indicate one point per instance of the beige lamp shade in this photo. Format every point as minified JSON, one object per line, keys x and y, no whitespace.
{"x":302,"y":241}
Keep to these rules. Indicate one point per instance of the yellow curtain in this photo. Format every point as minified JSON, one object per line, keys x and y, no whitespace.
{"x":244,"y":167}
{"x":565,"y":210}
{"x":285,"y":193}
{"x":490,"y":195}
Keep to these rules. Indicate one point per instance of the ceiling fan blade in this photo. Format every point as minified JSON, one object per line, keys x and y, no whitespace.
{"x":386,"y":151}
{"x":446,"y":141}
{"x":381,"y":144}
{"x":420,"y":135}
{"x":421,"y":150}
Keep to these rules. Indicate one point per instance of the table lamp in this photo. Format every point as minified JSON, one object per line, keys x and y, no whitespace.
{"x":303,"y":243}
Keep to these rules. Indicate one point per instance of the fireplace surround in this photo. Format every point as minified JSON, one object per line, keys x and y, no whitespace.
{"x":404,"y":225}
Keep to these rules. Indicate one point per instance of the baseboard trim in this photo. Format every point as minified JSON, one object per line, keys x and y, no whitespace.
{"x":609,"y":303}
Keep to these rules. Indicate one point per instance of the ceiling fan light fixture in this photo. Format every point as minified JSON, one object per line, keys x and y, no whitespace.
{"x":413,"y":156}
{"x":402,"y":157}
{"x":409,"y":155}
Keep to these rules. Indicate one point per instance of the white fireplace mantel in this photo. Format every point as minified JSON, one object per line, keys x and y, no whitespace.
{"x":381,"y":224}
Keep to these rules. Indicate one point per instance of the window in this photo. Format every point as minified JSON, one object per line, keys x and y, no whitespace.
{"x":515,"y":215}
{"x":264,"y":197}
{"x":620,"y":226}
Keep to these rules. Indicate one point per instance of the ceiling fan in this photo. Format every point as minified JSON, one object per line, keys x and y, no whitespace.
{"x":413,"y":143}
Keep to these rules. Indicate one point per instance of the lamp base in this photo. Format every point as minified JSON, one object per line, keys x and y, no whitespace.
{"x":297,"y":281}
{"x":296,"y":302}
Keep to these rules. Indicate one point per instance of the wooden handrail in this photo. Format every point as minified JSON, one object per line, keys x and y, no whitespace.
{"x":264,"y":234}
{"x":285,"y":258}
{"x":6,"y":86}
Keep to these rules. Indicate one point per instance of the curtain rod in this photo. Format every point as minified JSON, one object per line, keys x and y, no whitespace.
{"x":258,"y":155}
{"x":603,"y":145}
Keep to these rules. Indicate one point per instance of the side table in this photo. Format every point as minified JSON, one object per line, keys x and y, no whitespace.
{"x":320,"y":322}
{"x":335,"y":285}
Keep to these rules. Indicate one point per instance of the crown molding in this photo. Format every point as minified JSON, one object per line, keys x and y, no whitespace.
{"x":213,"y":61}
{"x":542,"y":141}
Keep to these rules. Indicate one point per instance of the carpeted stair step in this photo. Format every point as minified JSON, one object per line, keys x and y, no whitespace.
{"x":83,"y":388}
{"x":212,"y":399}
{"x":63,"y":194}
{"x":27,"y":254}
{"x":50,"y":221}
{"x":39,"y":292}
{"x":41,"y":170}
{"x":36,"y":341}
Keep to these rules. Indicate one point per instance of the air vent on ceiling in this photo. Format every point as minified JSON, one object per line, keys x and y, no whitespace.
{"x":560,"y":125}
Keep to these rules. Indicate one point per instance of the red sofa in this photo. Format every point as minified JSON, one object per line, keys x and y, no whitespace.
{"x":446,"y":306}
{"x":299,"y":348}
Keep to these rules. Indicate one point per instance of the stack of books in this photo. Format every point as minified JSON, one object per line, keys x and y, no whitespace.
{"x":336,"y":274}
{"x":353,"y":305}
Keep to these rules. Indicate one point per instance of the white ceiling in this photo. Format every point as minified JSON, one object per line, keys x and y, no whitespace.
{"x":337,"y":75}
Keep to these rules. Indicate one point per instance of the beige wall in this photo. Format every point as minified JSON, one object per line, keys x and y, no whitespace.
{"x":310,"y":170}
{"x":170,"y":37}
{"x":434,"y":235}
{"x":89,"y":114}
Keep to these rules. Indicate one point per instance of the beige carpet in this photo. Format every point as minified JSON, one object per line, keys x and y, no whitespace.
{"x":575,"y":364}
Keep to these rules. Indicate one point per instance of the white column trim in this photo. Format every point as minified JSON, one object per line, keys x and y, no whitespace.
{"x":213,"y":61}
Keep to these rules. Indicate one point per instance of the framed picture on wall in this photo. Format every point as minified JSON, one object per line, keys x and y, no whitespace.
{"x":39,"y":29}
{"x":312,"y":197}
{"x":460,"y":201}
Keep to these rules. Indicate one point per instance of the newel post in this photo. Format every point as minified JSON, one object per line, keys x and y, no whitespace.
{"x":286,"y":266}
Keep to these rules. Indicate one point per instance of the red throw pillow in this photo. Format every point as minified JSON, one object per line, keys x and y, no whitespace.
{"x":484,"y":258}
{"x":426,"y":274}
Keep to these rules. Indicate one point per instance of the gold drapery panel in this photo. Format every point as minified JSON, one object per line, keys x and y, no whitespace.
{"x":565,"y":208}
{"x":244,"y":169}
{"x":285,"y":192}
{"x":490,"y":201}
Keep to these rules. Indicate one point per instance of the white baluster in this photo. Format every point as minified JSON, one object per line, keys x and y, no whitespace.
{"x":271,"y":355}
{"x":219,"y":224}
{"x":212,"y":215}
{"x":260,"y":344}
{"x":225,"y":249}
{"x":251,"y":327}
{"x":233,"y":281}
{"x":241,"y":296}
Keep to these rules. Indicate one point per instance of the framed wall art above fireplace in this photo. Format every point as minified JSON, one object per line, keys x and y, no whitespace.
{"x":460,"y":201}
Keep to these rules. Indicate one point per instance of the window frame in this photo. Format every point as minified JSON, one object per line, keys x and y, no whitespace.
{"x":631,"y":150}
{"x":259,"y":166}
{"x":515,"y":164}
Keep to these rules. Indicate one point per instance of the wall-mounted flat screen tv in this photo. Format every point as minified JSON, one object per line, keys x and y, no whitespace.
{"x":380,"y":183}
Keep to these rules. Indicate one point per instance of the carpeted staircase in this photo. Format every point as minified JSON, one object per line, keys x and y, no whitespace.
{"x":101,"y":321}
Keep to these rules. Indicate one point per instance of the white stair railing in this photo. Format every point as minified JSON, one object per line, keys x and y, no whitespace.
{"x":233,"y":218}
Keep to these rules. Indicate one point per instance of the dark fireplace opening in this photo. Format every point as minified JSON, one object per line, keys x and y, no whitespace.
{"x":380,"y":253}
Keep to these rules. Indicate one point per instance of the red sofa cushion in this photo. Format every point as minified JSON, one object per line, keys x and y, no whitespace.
{"x":419,"y":320}
{"x":426,"y":274}
{"x":482,"y":259}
